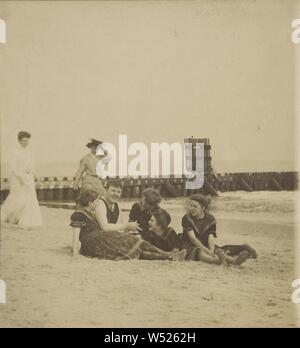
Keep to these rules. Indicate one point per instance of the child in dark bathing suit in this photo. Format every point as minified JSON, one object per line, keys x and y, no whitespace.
{"x":161,"y":234}
{"x":199,"y":233}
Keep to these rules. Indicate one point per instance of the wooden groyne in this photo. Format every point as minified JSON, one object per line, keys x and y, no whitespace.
{"x":60,"y":189}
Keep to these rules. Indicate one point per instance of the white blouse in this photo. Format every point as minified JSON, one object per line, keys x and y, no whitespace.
{"x":21,"y":162}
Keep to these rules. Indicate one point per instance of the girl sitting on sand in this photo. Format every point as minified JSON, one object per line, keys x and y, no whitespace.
{"x":161,"y":234}
{"x":100,"y":232}
{"x":199,"y":233}
{"x":141,"y":211}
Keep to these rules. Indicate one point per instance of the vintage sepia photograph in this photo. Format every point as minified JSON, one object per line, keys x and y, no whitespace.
{"x":150,"y":164}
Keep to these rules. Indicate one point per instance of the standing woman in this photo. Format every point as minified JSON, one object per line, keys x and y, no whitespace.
{"x":21,"y":206}
{"x":87,"y":170}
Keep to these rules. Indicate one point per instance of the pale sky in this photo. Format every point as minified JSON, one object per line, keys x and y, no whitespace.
{"x":156,"y":71}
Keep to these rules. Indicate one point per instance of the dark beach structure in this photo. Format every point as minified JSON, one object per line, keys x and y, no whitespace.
{"x":59,"y":190}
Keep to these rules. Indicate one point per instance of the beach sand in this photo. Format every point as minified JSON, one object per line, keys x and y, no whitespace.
{"x":47,"y":287}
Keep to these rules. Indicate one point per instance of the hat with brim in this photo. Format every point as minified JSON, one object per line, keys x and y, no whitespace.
{"x":93,"y":143}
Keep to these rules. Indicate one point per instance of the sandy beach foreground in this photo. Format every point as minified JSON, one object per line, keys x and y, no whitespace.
{"x":47,"y":287}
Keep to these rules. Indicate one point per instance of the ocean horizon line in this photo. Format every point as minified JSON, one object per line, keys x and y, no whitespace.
{"x":45,"y":169}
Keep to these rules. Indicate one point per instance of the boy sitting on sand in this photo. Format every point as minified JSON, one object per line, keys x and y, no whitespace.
{"x":199,"y":233}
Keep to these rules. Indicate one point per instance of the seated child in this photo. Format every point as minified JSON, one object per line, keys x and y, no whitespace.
{"x":141,"y":211}
{"x":160,"y":234}
{"x":199,"y":233}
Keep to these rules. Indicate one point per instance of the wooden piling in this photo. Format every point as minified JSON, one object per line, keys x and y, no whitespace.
{"x":210,"y":189}
{"x":49,"y":189}
{"x":136,"y":190}
{"x":276,"y":185}
{"x":246,"y":186}
{"x":40,"y":190}
{"x":59,"y":190}
{"x":69,"y":193}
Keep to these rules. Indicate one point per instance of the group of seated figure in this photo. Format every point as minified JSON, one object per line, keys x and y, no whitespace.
{"x":147,"y":233}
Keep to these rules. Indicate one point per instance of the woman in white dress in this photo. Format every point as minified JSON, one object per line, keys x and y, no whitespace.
{"x":21,"y":206}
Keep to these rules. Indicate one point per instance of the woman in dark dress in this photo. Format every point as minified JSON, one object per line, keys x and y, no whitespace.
{"x":141,"y":212}
{"x":102,"y":236}
{"x":199,"y":233}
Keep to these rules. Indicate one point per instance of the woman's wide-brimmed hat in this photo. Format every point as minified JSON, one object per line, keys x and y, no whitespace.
{"x":93,"y":143}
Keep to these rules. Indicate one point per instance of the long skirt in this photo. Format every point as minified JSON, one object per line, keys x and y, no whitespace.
{"x":21,"y":206}
{"x":110,"y":245}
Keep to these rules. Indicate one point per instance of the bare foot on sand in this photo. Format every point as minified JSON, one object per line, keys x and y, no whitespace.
{"x":243,"y":256}
{"x":222,"y":256}
{"x":179,"y":255}
{"x":251,"y":251}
